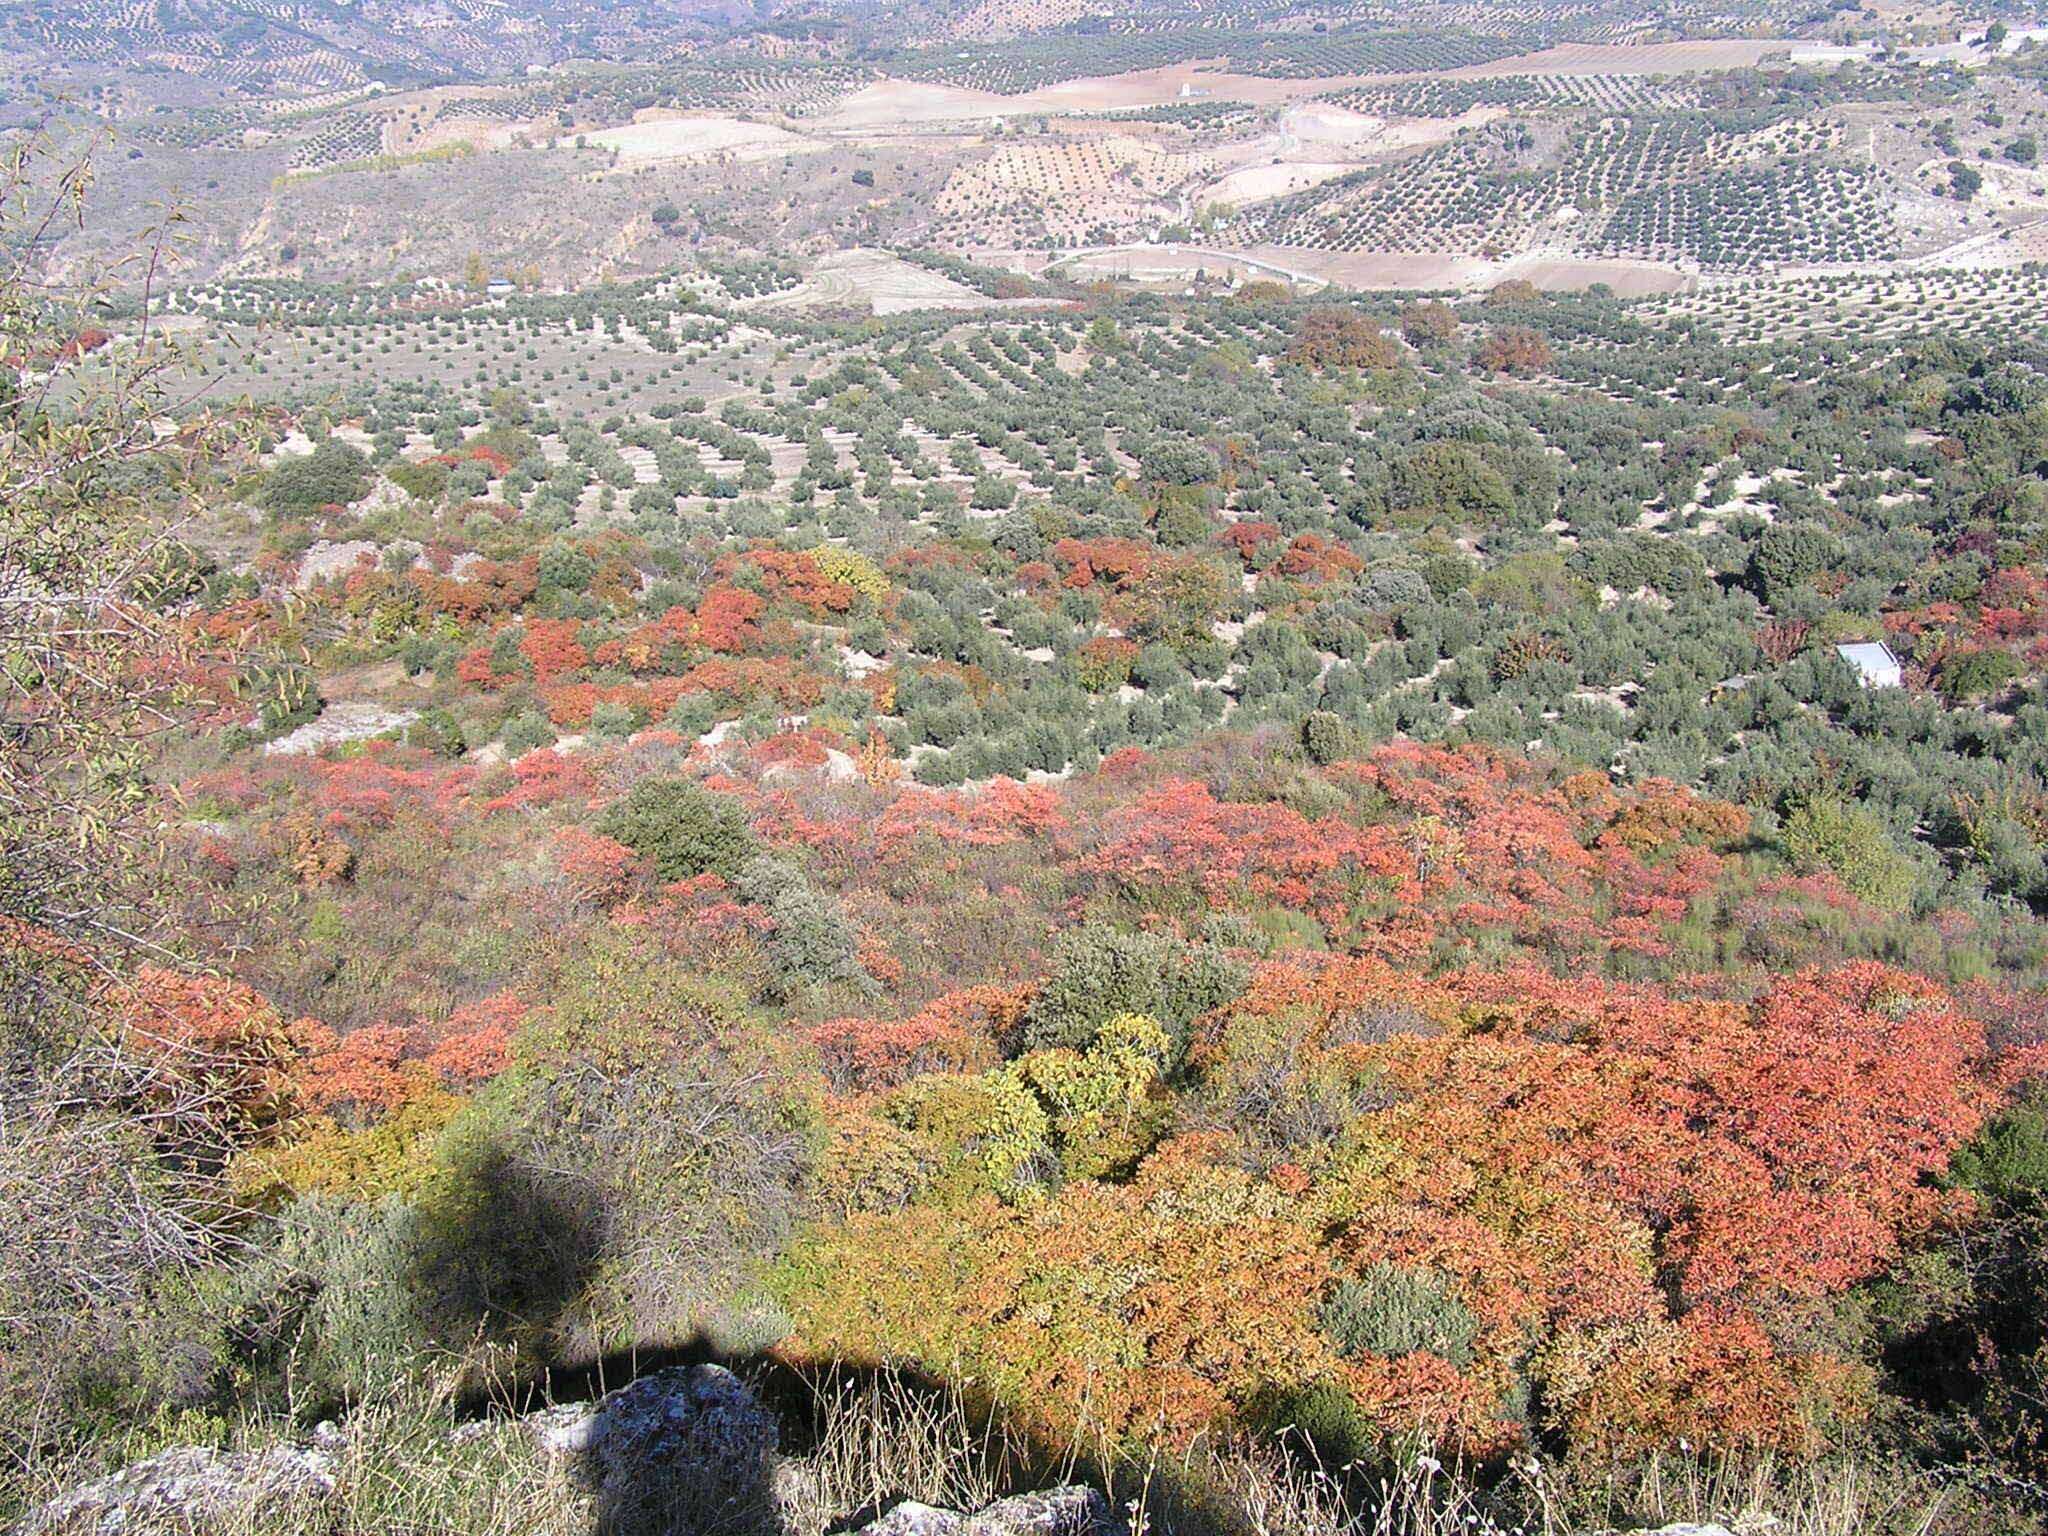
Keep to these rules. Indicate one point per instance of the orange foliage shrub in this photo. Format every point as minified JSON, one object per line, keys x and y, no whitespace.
{"x":954,"y":1033}
{"x":543,"y":777}
{"x":478,"y":1043}
{"x":1513,"y":349}
{"x":1148,"y":1310}
{"x":1312,"y":557}
{"x":372,"y":1069}
{"x":1664,"y":814}
{"x":1334,"y":336}
{"x":385,"y":781}
{"x":1250,"y":542}
{"x":1105,"y":662}
{"x":600,"y":869}
{"x":794,"y":576}
{"x":1119,"y":563}
{"x":316,"y":855}
{"x":552,"y":648}
{"x":488,"y":589}
{"x":1642,"y":1176}
{"x":216,"y":1053}
{"x":1181,"y":835}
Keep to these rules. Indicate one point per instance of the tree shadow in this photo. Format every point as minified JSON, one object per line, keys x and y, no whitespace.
{"x":676,"y":1437}
{"x":854,"y":1441}
{"x":521,"y":1247}
{"x":355,"y":1296}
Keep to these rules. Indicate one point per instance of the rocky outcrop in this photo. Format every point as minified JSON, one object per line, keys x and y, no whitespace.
{"x":191,"y":1487}
{"x":339,"y":723}
{"x":692,"y":1439}
{"x":697,"y":1422}
{"x":1071,"y":1511}
{"x":685,"y":1449}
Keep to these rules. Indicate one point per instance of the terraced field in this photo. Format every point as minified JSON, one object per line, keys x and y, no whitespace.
{"x":1444,"y":97}
{"x":1483,"y":191}
{"x":1031,"y":63}
{"x":1541,"y":138}
{"x":1747,"y":218}
{"x":1657,"y":186}
{"x":339,"y":140}
{"x":1892,"y":306}
{"x":1064,"y":193}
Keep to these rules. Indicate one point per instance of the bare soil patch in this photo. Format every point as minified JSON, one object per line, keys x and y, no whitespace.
{"x":888,"y":284}
{"x":1432,"y":269}
{"x":698,"y":138}
{"x":1260,"y":183}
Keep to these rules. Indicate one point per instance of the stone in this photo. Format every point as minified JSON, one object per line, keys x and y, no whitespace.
{"x":326,"y":560}
{"x":1068,"y":1511}
{"x":698,"y":1420}
{"x":191,"y":1486}
{"x":353,"y":720}
{"x":911,"y":1518}
{"x":687,"y":1448}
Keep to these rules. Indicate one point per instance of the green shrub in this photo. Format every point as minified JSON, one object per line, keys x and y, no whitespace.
{"x":1391,"y":1312}
{"x":422,"y":482}
{"x":1327,"y":1418}
{"x":2008,"y":1159}
{"x":566,"y":568}
{"x":693,"y":715}
{"x":1326,"y":738}
{"x":812,"y":943}
{"x":1788,"y":554}
{"x":658,"y":1100}
{"x":1976,"y":673}
{"x":354,"y":1294}
{"x":681,"y":829}
{"x":333,"y":474}
{"x":612,"y":722}
{"x":527,"y":730}
{"x":1852,"y":844}
{"x":1097,"y":972}
{"x":438,"y":732}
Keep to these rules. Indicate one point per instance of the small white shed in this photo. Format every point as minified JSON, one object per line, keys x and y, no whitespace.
{"x":1875,"y":664}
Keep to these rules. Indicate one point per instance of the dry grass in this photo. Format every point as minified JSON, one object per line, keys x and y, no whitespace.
{"x":410,"y":1466}
{"x":879,"y":1442}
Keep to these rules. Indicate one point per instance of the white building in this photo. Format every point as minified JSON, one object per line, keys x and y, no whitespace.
{"x":1876,"y":666}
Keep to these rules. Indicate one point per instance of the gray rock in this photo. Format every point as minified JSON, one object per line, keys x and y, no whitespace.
{"x":688,"y":1445}
{"x":324,"y":560}
{"x":911,"y":1518}
{"x":698,"y":1413}
{"x":1070,"y":1511}
{"x":338,"y":723}
{"x":190,"y":1487}
{"x":694,"y":1439}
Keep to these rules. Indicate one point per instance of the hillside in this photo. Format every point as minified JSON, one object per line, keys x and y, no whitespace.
{"x":965,"y":770}
{"x":1428,"y":153}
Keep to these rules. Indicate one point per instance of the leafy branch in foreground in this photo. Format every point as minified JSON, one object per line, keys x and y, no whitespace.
{"x":108,"y":1147}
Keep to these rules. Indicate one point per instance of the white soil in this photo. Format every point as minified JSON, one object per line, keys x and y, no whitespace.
{"x":672,"y":139}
